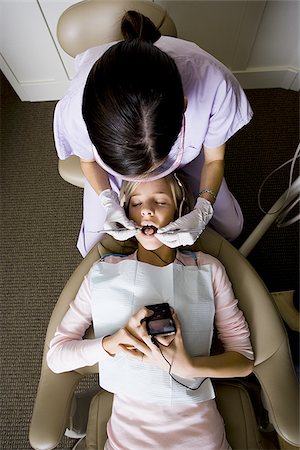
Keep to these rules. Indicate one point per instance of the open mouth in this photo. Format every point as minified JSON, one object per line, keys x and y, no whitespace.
{"x":149,"y":230}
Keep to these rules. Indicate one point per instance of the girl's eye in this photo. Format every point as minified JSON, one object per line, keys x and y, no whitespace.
{"x":161,"y":203}
{"x":135,"y":204}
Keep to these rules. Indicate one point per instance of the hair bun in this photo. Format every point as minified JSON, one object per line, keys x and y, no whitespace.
{"x":135,"y":25}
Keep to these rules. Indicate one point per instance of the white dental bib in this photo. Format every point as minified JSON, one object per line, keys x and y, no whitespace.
{"x":119,"y":290}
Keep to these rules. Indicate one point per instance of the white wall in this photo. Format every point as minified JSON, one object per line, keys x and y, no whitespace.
{"x":219,"y":27}
{"x":278,"y":39}
{"x":257,"y":39}
{"x":275,"y":56}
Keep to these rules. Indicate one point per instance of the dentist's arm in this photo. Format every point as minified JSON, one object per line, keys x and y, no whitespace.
{"x":115,"y":214}
{"x":96,"y":176}
{"x":212,"y":172}
{"x":186,"y":229}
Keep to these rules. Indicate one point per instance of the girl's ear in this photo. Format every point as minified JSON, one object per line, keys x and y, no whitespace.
{"x":185,"y":102}
{"x":185,"y":209}
{"x":126,"y":209}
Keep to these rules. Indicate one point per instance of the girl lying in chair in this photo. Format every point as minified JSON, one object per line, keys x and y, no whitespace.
{"x":163,"y":396}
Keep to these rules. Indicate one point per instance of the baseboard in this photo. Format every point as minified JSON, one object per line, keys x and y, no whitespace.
{"x":269,"y":77}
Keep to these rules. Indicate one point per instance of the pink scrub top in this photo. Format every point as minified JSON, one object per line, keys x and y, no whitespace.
{"x":217,"y":108}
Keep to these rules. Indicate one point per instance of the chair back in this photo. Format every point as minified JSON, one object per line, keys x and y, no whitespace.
{"x":267,"y":330}
{"x":273,"y":364}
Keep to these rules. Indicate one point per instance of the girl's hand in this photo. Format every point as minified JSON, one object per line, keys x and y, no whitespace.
{"x":176,"y":354}
{"x":163,"y":351}
{"x":135,"y":341}
{"x":133,"y":338}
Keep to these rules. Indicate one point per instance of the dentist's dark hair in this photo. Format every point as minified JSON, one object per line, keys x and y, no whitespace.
{"x":133,"y":101}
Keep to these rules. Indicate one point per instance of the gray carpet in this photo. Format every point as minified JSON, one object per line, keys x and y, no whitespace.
{"x":40,"y":219}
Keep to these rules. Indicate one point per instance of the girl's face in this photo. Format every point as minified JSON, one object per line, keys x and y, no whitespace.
{"x":151,"y":204}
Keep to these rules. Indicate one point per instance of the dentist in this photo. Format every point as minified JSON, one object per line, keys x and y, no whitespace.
{"x":141,"y":108}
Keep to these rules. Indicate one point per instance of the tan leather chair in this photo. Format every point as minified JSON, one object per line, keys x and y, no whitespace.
{"x":273,"y":370}
{"x":94,"y":22}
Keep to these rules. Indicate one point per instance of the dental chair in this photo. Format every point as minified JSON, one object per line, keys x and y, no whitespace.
{"x":251,"y":407}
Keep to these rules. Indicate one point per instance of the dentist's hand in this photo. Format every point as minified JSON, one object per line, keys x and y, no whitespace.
{"x":116,"y":216}
{"x":186,"y":229}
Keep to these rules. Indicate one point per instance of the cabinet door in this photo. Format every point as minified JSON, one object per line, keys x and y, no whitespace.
{"x":52,"y":10}
{"x":29,"y":56}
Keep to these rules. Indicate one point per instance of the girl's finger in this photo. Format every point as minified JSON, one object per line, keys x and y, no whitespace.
{"x":139,"y":318}
{"x":165,"y":340}
{"x":177,"y":323}
{"x":133,"y":353}
{"x":129,"y":340}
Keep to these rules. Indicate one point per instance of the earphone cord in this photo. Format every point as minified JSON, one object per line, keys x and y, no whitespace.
{"x":157,"y":344}
{"x":170,"y":368}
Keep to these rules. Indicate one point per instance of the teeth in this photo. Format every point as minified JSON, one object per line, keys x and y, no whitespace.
{"x":149,"y":230}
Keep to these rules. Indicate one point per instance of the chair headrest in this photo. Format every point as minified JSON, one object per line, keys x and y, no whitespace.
{"x":95,"y":22}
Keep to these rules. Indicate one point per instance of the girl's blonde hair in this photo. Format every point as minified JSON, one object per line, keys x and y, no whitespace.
{"x":182,"y":196}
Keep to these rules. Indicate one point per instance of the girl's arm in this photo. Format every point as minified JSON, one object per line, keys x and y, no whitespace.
{"x":233,"y":331}
{"x":96,"y":176}
{"x":68,"y":350}
{"x":226,"y":365}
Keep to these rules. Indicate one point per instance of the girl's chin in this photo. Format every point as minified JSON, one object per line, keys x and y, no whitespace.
{"x":149,"y":243}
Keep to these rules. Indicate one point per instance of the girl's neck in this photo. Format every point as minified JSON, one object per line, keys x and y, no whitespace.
{"x":160,"y":257}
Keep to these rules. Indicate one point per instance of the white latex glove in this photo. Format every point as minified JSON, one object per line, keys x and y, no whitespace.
{"x":186,"y":229}
{"x":116,"y":216}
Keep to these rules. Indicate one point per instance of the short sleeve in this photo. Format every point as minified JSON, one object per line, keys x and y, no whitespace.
{"x":230,"y":112}
{"x":70,"y":132}
{"x":217,"y":105}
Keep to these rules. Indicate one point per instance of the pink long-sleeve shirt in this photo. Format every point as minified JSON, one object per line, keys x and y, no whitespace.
{"x":134,"y":425}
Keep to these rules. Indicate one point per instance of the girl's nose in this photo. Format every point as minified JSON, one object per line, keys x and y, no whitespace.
{"x":146,"y":211}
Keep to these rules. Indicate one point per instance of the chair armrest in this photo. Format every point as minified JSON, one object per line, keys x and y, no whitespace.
{"x":281,"y":393}
{"x":52,"y":408}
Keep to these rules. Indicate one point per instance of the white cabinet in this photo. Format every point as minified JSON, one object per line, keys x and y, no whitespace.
{"x":52,"y":10}
{"x":243,"y":34}
{"x":29,"y":56}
